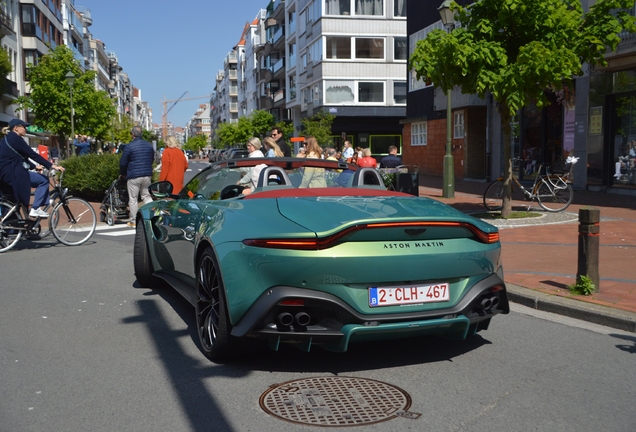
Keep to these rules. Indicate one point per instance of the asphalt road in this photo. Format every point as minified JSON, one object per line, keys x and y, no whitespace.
{"x":83,"y":348}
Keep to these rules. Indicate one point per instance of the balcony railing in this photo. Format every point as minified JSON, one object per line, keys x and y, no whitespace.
{"x":5,"y":24}
{"x":278,"y":65}
{"x":233,"y":106}
{"x":233,"y":90}
{"x":279,"y":34}
{"x":233,"y":74}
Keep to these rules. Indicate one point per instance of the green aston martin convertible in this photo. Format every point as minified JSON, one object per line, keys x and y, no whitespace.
{"x":316,"y":252}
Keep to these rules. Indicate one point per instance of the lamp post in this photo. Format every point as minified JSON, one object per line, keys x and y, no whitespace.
{"x":448,"y":189}
{"x":70,"y":79}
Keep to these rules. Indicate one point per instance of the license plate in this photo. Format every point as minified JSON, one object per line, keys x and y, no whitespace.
{"x":392,"y":296}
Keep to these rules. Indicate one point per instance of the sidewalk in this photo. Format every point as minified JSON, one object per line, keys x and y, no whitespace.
{"x":540,"y":254}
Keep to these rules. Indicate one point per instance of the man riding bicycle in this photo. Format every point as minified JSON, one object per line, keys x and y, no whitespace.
{"x":14,"y":168}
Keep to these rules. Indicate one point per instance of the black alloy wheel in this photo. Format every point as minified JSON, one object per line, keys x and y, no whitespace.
{"x":211,"y":312}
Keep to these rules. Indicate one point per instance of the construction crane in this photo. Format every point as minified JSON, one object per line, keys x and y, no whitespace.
{"x":166,"y":110}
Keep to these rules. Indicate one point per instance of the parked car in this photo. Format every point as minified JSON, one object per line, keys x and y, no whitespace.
{"x":326,"y":266}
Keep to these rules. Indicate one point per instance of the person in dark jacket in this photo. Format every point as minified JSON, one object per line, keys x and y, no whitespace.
{"x":277,"y":134}
{"x":14,"y":168}
{"x":136,"y":165}
{"x":82,"y":146}
{"x":392,"y":160}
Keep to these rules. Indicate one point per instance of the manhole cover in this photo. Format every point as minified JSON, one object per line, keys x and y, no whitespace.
{"x":336,"y":401}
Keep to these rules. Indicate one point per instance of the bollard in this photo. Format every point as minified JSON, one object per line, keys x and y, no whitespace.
{"x":589,"y":228}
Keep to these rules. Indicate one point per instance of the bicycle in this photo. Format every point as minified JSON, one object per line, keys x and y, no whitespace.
{"x":552,"y":190}
{"x":72,"y":220}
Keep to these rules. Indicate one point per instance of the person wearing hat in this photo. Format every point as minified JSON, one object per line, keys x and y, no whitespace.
{"x":250,"y":179}
{"x":15,"y":165}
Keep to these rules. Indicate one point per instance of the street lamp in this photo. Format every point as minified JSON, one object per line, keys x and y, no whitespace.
{"x":70,"y":79}
{"x":448,"y":189}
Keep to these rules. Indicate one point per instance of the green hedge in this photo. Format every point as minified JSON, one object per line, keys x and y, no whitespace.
{"x":91,"y":175}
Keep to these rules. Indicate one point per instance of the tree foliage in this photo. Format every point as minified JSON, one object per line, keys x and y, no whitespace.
{"x":258,"y":124}
{"x":5,"y":66}
{"x":319,"y":126}
{"x":196,"y":143}
{"x":517,"y":50}
{"x":49,"y":100}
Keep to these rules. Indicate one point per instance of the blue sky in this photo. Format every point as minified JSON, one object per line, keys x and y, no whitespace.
{"x":168,"y":47}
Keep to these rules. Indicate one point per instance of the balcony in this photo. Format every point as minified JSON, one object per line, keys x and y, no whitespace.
{"x":265,"y":102}
{"x":233,"y":106}
{"x":280,"y":64}
{"x":278,"y":35}
{"x":233,"y":91}
{"x":279,"y":95}
{"x":233,"y":74}
{"x":5,"y":24}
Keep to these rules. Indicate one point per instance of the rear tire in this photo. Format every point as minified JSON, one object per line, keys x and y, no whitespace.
{"x":8,"y":236}
{"x":211,"y":315}
{"x":141,"y":258}
{"x":493,"y":197}
{"x":556,"y":196}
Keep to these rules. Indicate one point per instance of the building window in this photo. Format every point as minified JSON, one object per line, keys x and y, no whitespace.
{"x":337,"y":7}
{"x":459,"y":124}
{"x":399,"y":8}
{"x":303,"y":62}
{"x":399,"y":92}
{"x":292,"y":87}
{"x":371,"y":92}
{"x":317,"y":95}
{"x":369,"y":48}
{"x":338,"y":47}
{"x":418,"y":134}
{"x":291,"y":57}
{"x":399,"y":48}
{"x":339,"y":92}
{"x":369,"y":7}
{"x":315,"y":52}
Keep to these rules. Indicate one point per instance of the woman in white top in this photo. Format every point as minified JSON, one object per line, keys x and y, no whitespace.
{"x":250,"y":180}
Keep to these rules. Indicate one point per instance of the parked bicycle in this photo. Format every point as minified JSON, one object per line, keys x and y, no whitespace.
{"x":72,"y":220}
{"x":552,"y":190}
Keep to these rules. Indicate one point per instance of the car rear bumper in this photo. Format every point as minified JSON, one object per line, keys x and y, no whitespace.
{"x":333,"y":324}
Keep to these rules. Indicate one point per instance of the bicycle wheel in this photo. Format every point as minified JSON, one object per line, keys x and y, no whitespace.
{"x":493,"y":197}
{"x":553,"y":194}
{"x":73,"y":221}
{"x":8,"y":236}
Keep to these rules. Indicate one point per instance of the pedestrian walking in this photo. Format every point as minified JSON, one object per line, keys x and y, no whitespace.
{"x":136,"y":165}
{"x":173,"y":164}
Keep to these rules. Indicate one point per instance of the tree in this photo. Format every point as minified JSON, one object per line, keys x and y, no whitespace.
{"x":121,"y":130}
{"x":318,"y":126}
{"x":195,"y":143}
{"x":49,"y":100}
{"x":517,"y":50}
{"x":257,"y":124}
{"x":5,"y":66}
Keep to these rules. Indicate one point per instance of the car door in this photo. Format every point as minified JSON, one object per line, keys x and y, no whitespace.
{"x":185,"y":215}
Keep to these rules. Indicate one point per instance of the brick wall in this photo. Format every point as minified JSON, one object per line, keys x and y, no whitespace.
{"x":430,"y":158}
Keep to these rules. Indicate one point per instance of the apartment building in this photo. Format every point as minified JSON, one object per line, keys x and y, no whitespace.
{"x":199,"y":124}
{"x":224,"y":99}
{"x":348,"y":58}
{"x":29,"y":27}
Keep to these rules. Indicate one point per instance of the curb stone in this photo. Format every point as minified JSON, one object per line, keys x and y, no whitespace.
{"x":597,"y":314}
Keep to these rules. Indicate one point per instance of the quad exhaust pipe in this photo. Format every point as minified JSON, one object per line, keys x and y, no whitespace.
{"x":286,"y":319}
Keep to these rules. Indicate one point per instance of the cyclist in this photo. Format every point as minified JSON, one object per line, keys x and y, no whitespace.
{"x":14,"y":167}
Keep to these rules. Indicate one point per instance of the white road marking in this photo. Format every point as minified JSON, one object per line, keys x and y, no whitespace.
{"x":118,"y":233}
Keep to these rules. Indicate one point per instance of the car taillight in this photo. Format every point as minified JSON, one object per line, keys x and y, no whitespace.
{"x":317,"y":244}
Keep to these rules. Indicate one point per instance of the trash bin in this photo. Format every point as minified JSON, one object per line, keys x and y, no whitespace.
{"x":407,"y":179}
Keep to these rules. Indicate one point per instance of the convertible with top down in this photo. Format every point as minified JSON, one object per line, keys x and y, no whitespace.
{"x":345,"y":262}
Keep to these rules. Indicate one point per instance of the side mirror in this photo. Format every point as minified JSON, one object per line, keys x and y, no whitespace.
{"x":162,"y":189}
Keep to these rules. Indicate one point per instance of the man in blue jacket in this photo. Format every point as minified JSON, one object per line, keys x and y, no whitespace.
{"x":136,"y":165}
